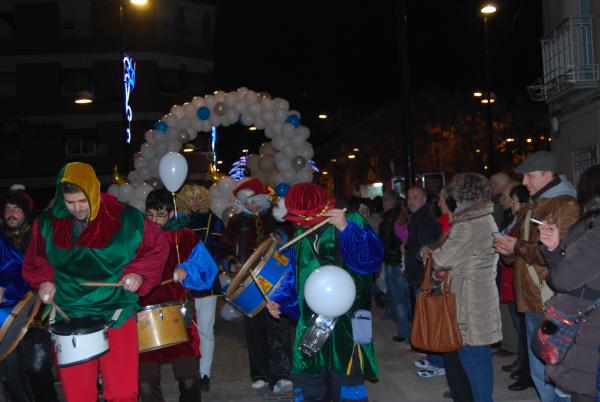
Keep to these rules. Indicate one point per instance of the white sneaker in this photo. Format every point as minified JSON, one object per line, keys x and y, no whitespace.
{"x":422,"y":363}
{"x":283,"y":386}
{"x":431,"y":371}
{"x":259,"y":384}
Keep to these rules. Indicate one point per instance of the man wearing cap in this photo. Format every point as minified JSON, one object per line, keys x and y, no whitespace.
{"x":338,"y":370}
{"x":268,"y":339}
{"x":553,"y":200}
{"x":88,"y":236}
{"x":26,"y":373}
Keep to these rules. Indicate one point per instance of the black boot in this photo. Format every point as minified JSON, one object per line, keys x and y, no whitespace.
{"x":189,"y":390}
{"x":205,"y":383}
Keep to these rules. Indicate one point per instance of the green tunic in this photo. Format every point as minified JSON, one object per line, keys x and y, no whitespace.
{"x":82,"y":264}
{"x":337,"y":351}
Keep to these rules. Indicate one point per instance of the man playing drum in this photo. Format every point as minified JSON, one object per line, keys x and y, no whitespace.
{"x":198,"y":271}
{"x":89,"y":236}
{"x":268,"y":339}
{"x":338,"y":370}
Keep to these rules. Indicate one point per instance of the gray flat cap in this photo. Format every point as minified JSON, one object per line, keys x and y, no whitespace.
{"x":541,"y":160}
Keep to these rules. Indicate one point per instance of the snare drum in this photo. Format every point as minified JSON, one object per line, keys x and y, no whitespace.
{"x":160,"y":326}
{"x":269,"y":268}
{"x":80,"y":339}
{"x":14,"y":321}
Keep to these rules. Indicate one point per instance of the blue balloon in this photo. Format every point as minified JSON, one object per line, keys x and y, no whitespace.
{"x":281,"y":189}
{"x":160,"y":126}
{"x":294,"y":120}
{"x":203,"y":113}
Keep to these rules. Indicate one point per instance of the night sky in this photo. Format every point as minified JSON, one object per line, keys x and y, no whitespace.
{"x":325,"y":56}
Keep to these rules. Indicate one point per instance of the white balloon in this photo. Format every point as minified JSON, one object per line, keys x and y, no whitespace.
{"x":266,"y":149}
{"x":214,"y":191}
{"x":266,"y":163}
{"x":126,"y":192}
{"x":289,"y":130}
{"x":281,"y":115}
{"x":247,"y":119}
{"x":145,"y":173}
{"x":289,"y":175}
{"x":226,"y":186}
{"x":330,"y":291}
{"x":283,"y":164}
{"x":134,"y":178}
{"x":178,"y":111}
{"x":230,"y":313}
{"x":307,"y":151}
{"x":173,"y":146}
{"x":278,"y":142}
{"x":210,"y":101}
{"x":114,"y":190}
{"x":172,"y":170}
{"x":189,"y":110}
{"x":252,"y":162}
{"x":139,"y":163}
{"x":198,"y":102}
{"x":138,"y":204}
{"x":277,"y":128}
{"x":160,"y":148}
{"x":281,"y":104}
{"x":289,"y":151}
{"x":141,"y":191}
{"x":304,"y":176}
{"x":217,"y":205}
{"x":149,"y":136}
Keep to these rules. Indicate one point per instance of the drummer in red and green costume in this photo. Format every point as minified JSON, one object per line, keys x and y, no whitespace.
{"x":338,"y":370}
{"x":89,"y":236}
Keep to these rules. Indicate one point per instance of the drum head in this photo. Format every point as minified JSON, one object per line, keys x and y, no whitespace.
{"x":258,"y":257}
{"x":82,"y":325}
{"x":16,"y":325}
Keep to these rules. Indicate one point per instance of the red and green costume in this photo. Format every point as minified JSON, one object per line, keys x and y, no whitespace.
{"x":115,"y":241}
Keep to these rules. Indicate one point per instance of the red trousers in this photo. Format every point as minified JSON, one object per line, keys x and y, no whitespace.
{"x":118,"y":367}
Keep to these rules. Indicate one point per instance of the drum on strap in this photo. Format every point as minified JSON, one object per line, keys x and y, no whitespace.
{"x":269,"y":268}
{"x":160,"y":326}
{"x":15,"y":320}
{"x":80,"y":339}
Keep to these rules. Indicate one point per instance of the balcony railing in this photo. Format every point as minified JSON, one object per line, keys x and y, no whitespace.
{"x":568,"y":60}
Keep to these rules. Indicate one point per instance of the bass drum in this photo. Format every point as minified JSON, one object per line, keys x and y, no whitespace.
{"x":15,"y":322}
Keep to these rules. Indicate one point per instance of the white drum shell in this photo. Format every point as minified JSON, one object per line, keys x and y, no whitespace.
{"x":77,"y":349}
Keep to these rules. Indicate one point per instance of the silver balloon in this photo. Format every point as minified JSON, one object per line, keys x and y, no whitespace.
{"x":220,"y":108}
{"x":298,"y":163}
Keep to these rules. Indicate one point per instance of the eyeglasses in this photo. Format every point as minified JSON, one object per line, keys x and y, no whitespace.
{"x":157,"y":215}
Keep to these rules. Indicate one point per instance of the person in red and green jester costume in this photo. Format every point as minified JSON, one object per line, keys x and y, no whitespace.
{"x":192,"y":267}
{"x":89,"y":236}
{"x":337,"y":372}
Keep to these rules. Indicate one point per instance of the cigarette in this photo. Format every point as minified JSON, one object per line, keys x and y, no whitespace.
{"x":536,"y":222}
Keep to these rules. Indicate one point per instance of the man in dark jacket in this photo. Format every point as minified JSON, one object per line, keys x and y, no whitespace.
{"x":423,"y":229}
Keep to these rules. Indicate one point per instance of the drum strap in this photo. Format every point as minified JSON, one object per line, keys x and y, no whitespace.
{"x":360,"y":359}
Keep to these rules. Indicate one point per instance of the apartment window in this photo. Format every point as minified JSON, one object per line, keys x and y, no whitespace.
{"x":75,"y":19}
{"x":76,"y":80}
{"x":184,"y":22}
{"x":80,"y":144}
{"x":182,"y":82}
{"x":8,"y":85}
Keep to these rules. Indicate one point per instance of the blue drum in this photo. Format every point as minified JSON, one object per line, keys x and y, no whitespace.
{"x":14,"y":322}
{"x":269,"y":267}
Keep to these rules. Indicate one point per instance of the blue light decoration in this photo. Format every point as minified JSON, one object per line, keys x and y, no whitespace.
{"x":213,"y":142}
{"x":237,"y":169}
{"x":129,"y":82}
{"x":313,"y":165}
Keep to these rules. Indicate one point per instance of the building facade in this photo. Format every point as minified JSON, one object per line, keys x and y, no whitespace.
{"x":55,"y":49}
{"x":569,"y":84}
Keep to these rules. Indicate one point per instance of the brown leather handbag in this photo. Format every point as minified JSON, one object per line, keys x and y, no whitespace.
{"x":434,"y":326}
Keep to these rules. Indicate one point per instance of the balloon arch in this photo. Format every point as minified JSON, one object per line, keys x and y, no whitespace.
{"x":281,"y":161}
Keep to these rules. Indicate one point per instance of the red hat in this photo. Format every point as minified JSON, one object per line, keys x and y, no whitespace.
{"x":306,"y":204}
{"x":252,"y":187}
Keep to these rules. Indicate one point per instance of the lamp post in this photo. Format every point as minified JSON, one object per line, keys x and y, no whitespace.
{"x":487,"y":10}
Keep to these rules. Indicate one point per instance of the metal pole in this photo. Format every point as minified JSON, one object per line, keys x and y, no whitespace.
{"x":489,"y":122}
{"x":409,"y":165}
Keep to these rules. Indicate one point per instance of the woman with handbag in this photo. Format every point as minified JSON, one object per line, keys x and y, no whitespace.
{"x":574,"y":275}
{"x":469,"y":257}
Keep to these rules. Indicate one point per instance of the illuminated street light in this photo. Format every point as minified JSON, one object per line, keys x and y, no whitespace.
{"x":488,"y":8}
{"x":189,"y":148}
{"x":252,"y":128}
{"x":529,"y":140}
{"x":477,"y":150}
{"x":219,"y":162}
{"x":355,"y":149}
{"x":84,"y":97}
{"x":333,"y":160}
{"x":139,"y":2}
{"x":478,"y":94}
{"x":244,"y":150}
{"x":510,"y":139}
{"x":351,"y":156}
{"x":325,"y":172}
{"x":322,"y":116}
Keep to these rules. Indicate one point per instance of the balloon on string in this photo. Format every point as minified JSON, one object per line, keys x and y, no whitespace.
{"x":172,"y":170}
{"x":230,"y":313}
{"x":330,"y":291}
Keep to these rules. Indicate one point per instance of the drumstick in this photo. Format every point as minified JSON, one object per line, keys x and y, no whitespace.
{"x":309,"y":231}
{"x":60,"y":311}
{"x":262,"y":291}
{"x":114,"y":284}
{"x":167,"y":281}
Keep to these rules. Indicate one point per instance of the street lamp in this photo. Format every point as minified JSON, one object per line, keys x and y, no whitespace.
{"x":487,"y":10}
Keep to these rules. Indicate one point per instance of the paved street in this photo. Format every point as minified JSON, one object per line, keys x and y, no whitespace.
{"x":230,"y":380}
